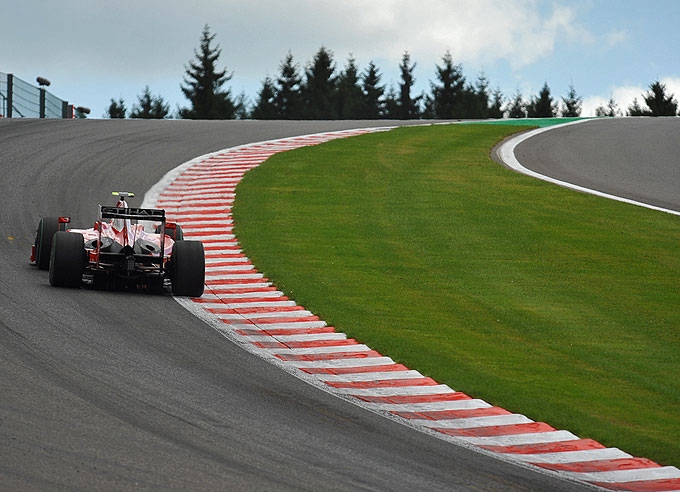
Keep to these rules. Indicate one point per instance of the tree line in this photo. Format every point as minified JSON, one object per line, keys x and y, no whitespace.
{"x":322,"y":91}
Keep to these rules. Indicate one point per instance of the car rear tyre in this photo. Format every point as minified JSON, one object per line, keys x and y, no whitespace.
{"x":43,"y":241}
{"x":67,"y":260}
{"x":188,"y":268}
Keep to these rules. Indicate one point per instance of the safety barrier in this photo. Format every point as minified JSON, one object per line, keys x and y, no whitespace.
{"x":19,"y":99}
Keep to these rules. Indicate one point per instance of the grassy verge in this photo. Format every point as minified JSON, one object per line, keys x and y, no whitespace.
{"x":555,"y":304}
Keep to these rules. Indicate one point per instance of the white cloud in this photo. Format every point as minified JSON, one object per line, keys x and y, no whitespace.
{"x":158,"y":36}
{"x":591,"y":103}
{"x":625,"y":94}
{"x":117,"y":48}
{"x":615,"y":37}
{"x":480,"y":30}
{"x":672,"y":86}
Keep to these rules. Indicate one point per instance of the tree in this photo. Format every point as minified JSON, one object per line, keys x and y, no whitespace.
{"x":636,"y":110}
{"x":542,"y":106}
{"x":392,"y":109}
{"x":658,"y":102}
{"x":478,"y":97}
{"x":149,"y":106}
{"x":373,"y":103}
{"x":204,"y":84}
{"x":571,"y":105}
{"x":116,"y":109}
{"x":447,"y":94}
{"x":288,"y":100}
{"x":428,"y":112}
{"x":265,"y":107}
{"x":611,"y":109}
{"x":318,"y":91}
{"x":517,"y":108}
{"x":241,"y":107}
{"x":349,"y":96}
{"x":407,"y":107}
{"x":496,"y":106}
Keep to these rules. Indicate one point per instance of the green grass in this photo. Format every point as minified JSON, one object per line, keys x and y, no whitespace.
{"x":551,"y":303}
{"x":537,"y":122}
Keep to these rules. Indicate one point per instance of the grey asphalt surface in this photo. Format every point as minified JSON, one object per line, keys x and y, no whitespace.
{"x":121,"y":391}
{"x":635,"y":158}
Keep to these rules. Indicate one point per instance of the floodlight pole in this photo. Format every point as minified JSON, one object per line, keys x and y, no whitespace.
{"x":42,"y":82}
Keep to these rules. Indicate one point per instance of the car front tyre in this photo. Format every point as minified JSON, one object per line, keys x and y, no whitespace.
{"x":43,"y":241}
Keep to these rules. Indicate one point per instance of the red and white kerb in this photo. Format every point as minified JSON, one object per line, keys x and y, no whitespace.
{"x":247,"y":308}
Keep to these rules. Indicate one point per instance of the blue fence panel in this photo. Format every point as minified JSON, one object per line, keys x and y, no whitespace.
{"x":25,"y":99}
{"x":52,"y":106}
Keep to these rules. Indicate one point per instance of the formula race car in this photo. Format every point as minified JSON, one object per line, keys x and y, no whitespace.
{"x":118,"y":252}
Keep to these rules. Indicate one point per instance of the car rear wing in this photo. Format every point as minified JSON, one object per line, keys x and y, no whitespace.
{"x":152,"y":214}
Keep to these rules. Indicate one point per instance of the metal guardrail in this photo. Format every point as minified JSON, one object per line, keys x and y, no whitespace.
{"x":19,"y":99}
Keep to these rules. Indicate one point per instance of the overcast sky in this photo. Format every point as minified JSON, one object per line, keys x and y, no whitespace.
{"x":94,"y":50}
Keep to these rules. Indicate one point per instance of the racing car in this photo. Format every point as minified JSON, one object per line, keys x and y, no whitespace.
{"x":118,"y":252}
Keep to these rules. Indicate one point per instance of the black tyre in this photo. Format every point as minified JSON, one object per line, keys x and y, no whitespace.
{"x":188,"y":268}
{"x":175,"y":234}
{"x":68,"y":259}
{"x":43,"y":241}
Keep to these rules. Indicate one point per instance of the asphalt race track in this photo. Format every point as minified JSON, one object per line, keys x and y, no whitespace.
{"x":635,"y":158}
{"x":117,"y":391}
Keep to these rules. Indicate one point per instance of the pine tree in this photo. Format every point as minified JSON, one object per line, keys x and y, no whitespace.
{"x":318,"y":90}
{"x":571,"y":105}
{"x":517,"y":107}
{"x":204,"y":84}
{"x":288,"y":98}
{"x":116,"y":109}
{"x":611,"y":109}
{"x":241,"y":105}
{"x":349,"y":97}
{"x":447,"y":94}
{"x":479,"y":107}
{"x":496,"y":106}
{"x":428,"y":112}
{"x":658,"y":102}
{"x":407,"y":107}
{"x":149,"y":106}
{"x":265,"y":107}
{"x":636,"y":110}
{"x":373,"y":104}
{"x":542,"y":106}
{"x":392,"y":108}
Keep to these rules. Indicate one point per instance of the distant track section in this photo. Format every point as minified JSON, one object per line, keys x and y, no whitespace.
{"x":632,"y":159}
